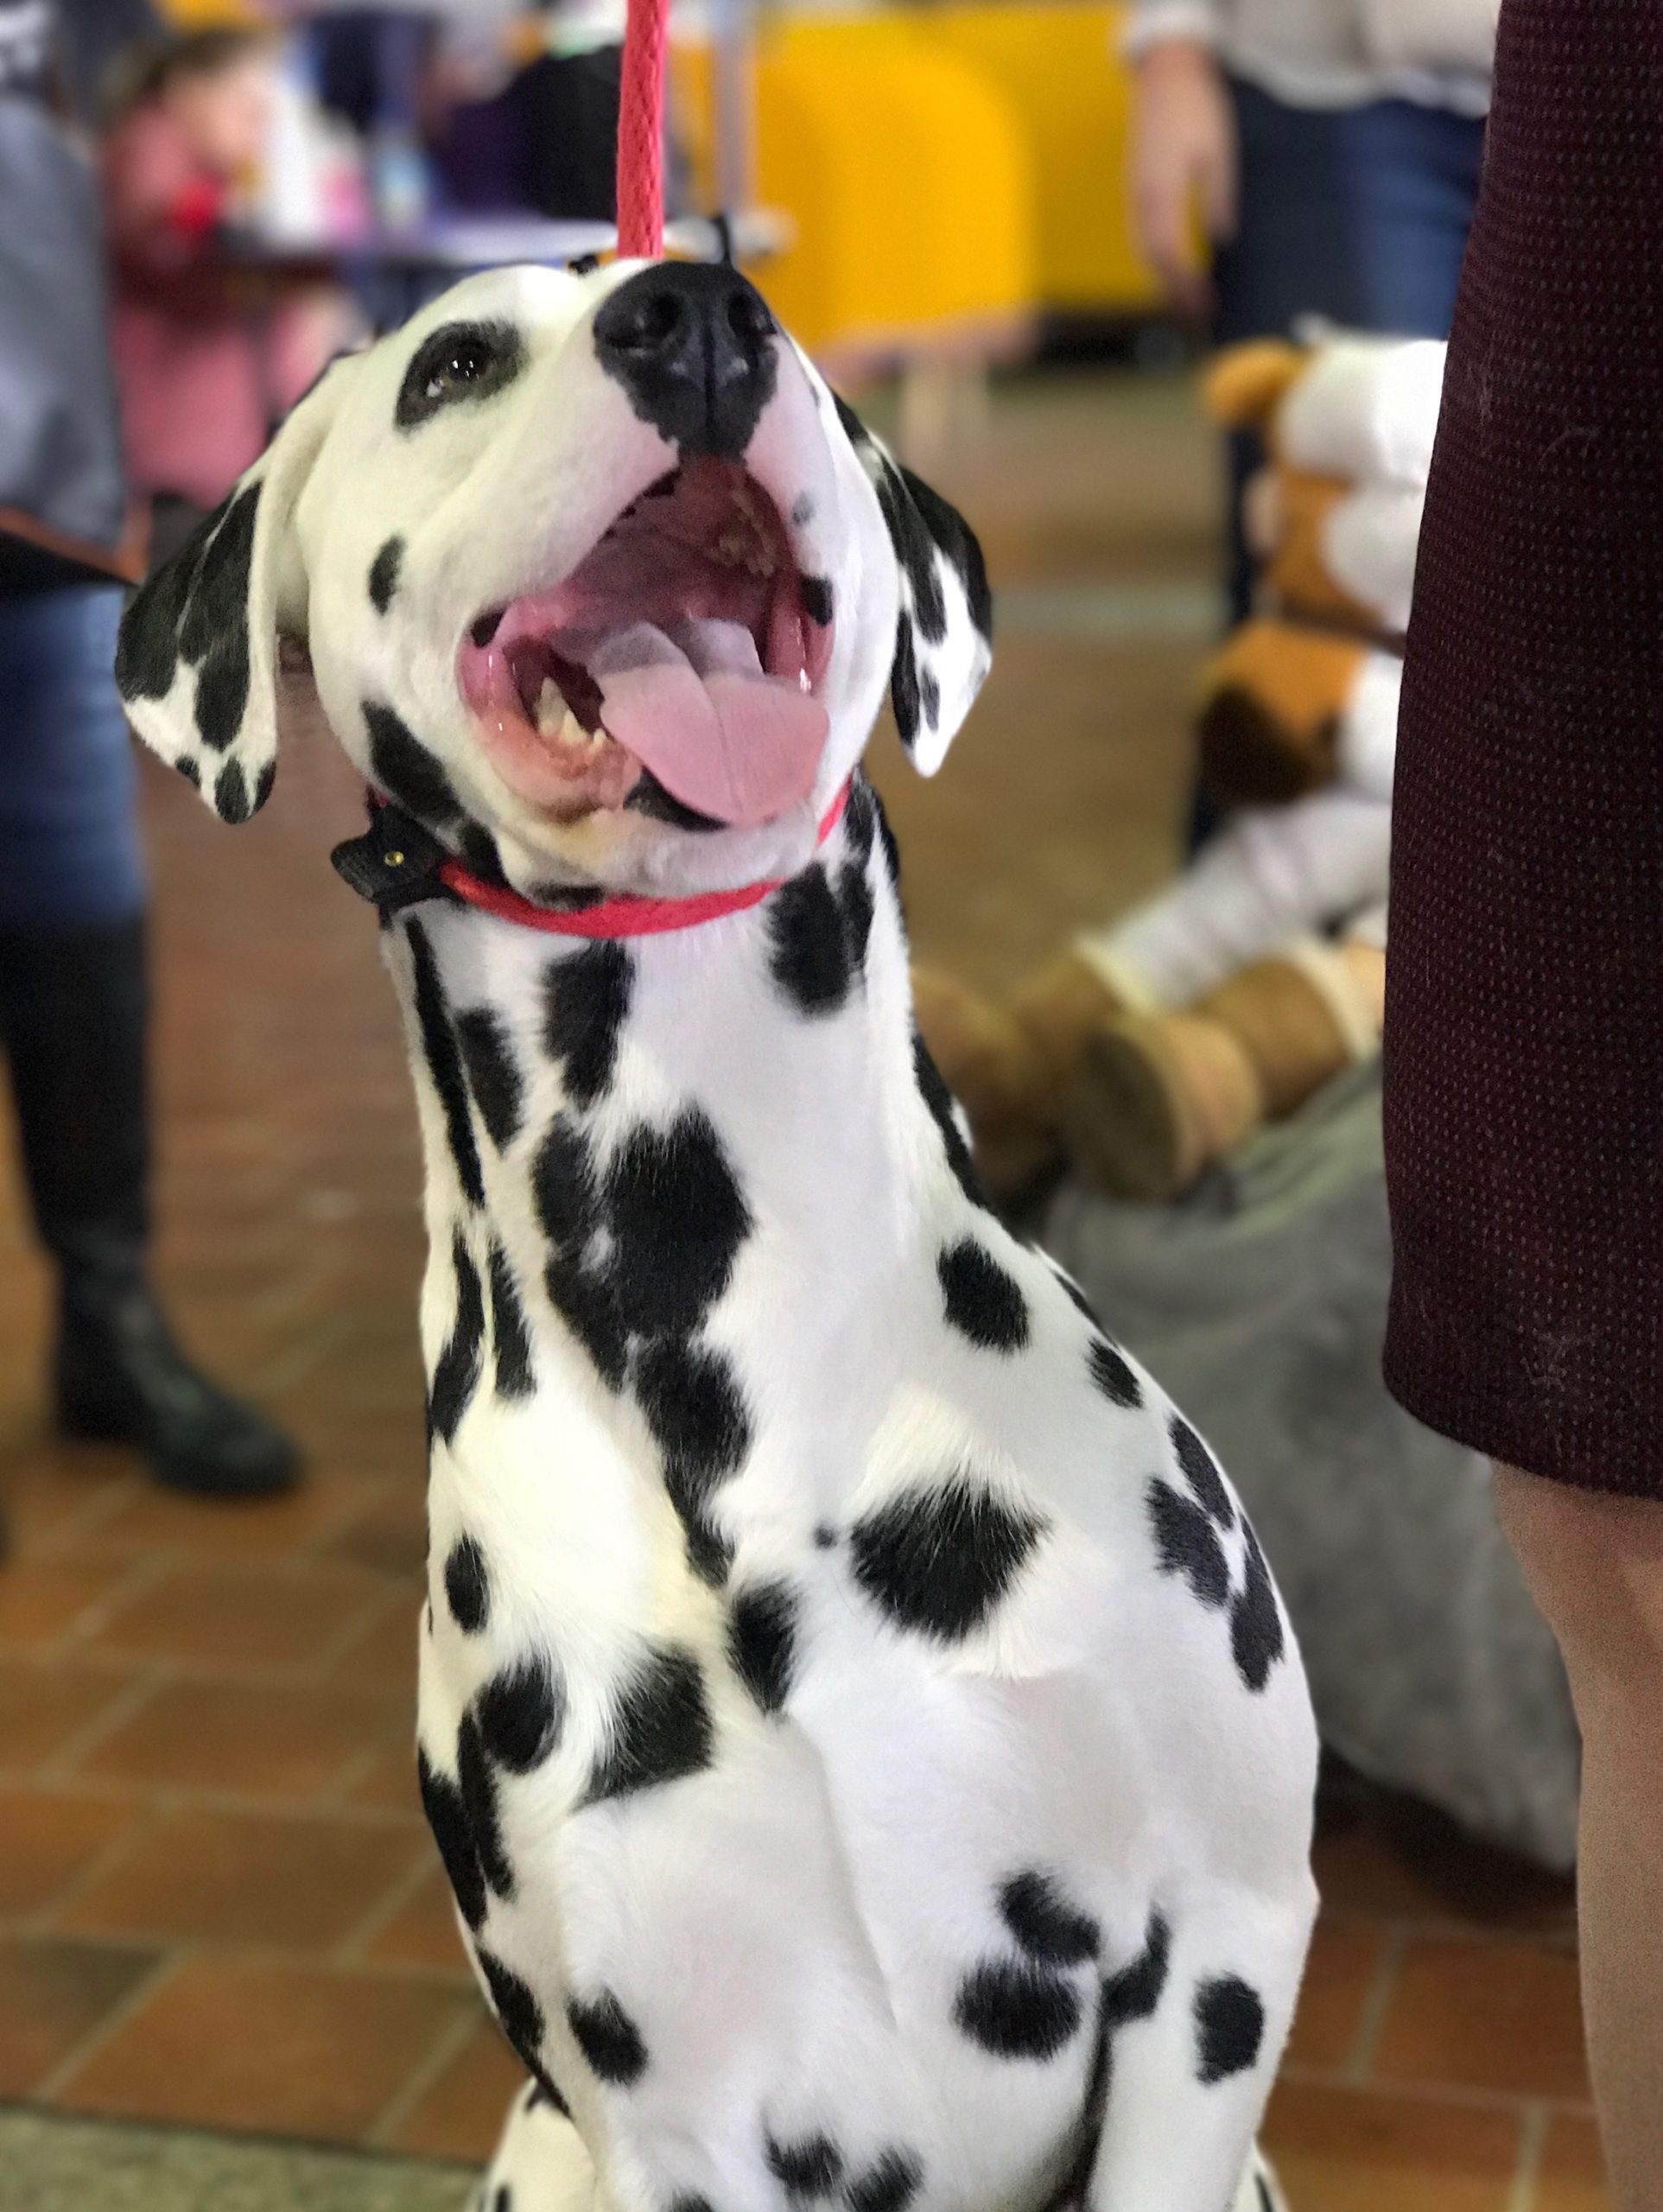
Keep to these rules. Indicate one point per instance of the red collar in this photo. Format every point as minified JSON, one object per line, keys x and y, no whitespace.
{"x":624,"y":916}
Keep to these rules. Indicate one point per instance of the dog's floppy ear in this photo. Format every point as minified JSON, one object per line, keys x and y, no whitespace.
{"x":943,"y":639}
{"x":197,"y":663}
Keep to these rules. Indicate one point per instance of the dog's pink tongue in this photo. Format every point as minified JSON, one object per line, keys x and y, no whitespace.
{"x":698,"y":710}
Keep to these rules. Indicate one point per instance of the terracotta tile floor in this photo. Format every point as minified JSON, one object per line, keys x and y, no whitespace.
{"x":218,"y":1903}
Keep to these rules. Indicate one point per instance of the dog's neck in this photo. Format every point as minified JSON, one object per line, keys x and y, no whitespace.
{"x":646,"y":1160}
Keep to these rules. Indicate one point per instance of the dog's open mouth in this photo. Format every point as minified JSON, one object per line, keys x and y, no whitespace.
{"x":681,"y":646}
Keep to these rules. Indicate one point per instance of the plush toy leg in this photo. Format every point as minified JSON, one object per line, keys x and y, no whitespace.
{"x":1158,"y":1099}
{"x":1268,"y":877}
{"x":1009,"y":1065}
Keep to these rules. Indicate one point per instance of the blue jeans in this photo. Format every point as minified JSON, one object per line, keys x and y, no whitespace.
{"x":1359,"y":214}
{"x":69,"y":842}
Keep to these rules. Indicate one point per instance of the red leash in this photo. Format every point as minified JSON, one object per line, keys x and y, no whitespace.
{"x":641,"y":131}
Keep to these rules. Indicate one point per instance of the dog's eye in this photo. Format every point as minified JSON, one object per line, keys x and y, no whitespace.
{"x":462,"y":362}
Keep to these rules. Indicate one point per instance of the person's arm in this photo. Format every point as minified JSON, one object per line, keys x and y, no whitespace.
{"x":1184,"y":148}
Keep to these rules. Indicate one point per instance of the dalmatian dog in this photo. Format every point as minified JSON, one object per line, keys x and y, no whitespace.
{"x":857,"y":1720}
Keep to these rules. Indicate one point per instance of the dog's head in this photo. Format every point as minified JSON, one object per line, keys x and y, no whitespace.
{"x":591,"y":574}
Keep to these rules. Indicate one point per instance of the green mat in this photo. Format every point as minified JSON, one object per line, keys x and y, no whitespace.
{"x":49,"y":2164}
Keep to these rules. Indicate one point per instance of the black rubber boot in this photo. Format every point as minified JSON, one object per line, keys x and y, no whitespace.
{"x":73,"y":1014}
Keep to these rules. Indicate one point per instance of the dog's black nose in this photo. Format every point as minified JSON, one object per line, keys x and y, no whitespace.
{"x":692,"y":346}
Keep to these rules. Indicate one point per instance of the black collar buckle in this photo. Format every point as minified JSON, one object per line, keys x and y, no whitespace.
{"x":395,"y":864}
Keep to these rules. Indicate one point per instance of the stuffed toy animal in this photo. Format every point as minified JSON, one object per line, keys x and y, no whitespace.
{"x":1152,"y":1049}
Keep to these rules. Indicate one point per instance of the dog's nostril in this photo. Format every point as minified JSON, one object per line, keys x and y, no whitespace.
{"x":658,"y":323}
{"x":748,"y":319}
{"x":487,"y":625}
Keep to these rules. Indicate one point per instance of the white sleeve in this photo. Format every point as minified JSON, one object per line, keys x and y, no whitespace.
{"x":1151,"y":21}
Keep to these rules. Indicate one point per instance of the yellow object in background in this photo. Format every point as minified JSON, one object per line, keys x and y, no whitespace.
{"x":950,"y":173}
{"x":216,"y":15}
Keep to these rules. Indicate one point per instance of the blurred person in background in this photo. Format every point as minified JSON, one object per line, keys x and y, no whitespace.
{"x":1524,"y":1018}
{"x":208,"y":354}
{"x":72,"y":894}
{"x":1325,"y":152}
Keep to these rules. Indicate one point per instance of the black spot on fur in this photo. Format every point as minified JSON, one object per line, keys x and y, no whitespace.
{"x":231,"y":794}
{"x":479,"y":1781}
{"x":860,"y":818}
{"x":213,"y":635}
{"x":1200,"y":1472}
{"x":467,"y":1585}
{"x":1017,"y":2010}
{"x":904,"y":681}
{"x":816,"y":593}
{"x":478,"y":849}
{"x":586,"y":1001}
{"x":264,"y":784}
{"x":762,"y":1641}
{"x":518,"y":2015}
{"x":444,"y":1061}
{"x":147,"y":651}
{"x":854,"y":897}
{"x":492,"y":1074}
{"x":503,"y":2199}
{"x":546,"y":2091}
{"x":1256,"y":1638}
{"x":937,"y":1097}
{"x":441,"y":1800}
{"x":694,"y":1406}
{"x":1053,"y":1932}
{"x":1229,"y":2028}
{"x":661,"y":1727}
{"x":930,"y":699}
{"x":983,"y":1302}
{"x":520,"y":1712}
{"x":383,"y":573}
{"x":1188,"y":1543}
{"x":809,"y":956}
{"x":188,"y":769}
{"x":887,"y":2185}
{"x":456,"y":1375}
{"x":608,"y":2038}
{"x":677,"y":1222}
{"x":564,"y":1187}
{"x":688,"y":2202}
{"x":402,"y":765}
{"x":508,"y":1335}
{"x":1075,"y":1295}
{"x":825,"y":1538}
{"x":590,"y":1311}
{"x":810,"y":2166}
{"x":1112,"y":1372}
{"x":938,"y":1559}
{"x":1135,"y":1991}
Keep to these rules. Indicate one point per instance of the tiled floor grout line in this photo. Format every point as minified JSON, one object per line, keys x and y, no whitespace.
{"x":447,"y":2045}
{"x":173,"y":1798}
{"x":85,"y":1519}
{"x":1521,"y":2197}
{"x":1372,"y":2021}
{"x":122,"y":1706}
{"x":104,"y":2031}
{"x":115,"y":1853}
{"x":1453,"y":1931}
{"x":350,"y":1951}
{"x":145,"y":1573}
{"x":1459,"y":2095}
